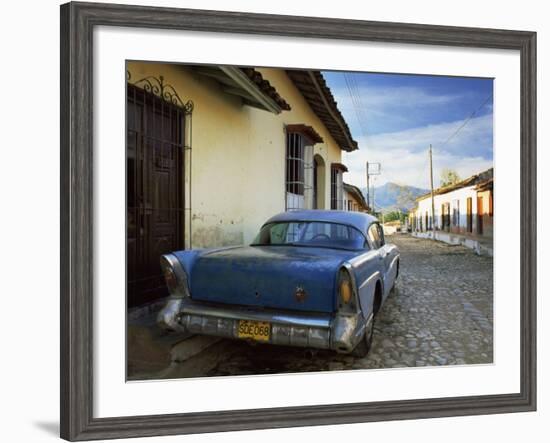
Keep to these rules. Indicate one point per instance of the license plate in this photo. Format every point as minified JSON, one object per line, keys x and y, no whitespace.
{"x":256,"y":330}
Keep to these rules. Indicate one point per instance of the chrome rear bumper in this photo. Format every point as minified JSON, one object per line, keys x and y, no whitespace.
{"x":322,"y":331}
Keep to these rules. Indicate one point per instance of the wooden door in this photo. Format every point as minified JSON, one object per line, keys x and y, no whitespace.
{"x":480,"y":215}
{"x":469,"y":216}
{"x":154,"y":178}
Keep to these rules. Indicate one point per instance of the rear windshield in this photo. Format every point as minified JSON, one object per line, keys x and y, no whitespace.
{"x":311,"y":233}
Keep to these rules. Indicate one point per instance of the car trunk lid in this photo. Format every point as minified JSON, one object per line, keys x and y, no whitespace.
{"x":279,"y":277}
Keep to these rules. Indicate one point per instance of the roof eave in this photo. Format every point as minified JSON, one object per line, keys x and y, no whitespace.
{"x":313,"y":87}
{"x":352,"y":144}
{"x":354,"y":190}
{"x":243,"y":81}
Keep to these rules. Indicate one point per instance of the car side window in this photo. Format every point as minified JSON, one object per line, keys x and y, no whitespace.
{"x":381,"y":235}
{"x":277,"y":233}
{"x":374,"y":236}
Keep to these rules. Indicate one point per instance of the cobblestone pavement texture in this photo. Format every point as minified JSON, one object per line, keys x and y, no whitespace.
{"x":440,"y":313}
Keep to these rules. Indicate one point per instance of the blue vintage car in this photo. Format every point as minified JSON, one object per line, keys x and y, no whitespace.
{"x":311,"y":278}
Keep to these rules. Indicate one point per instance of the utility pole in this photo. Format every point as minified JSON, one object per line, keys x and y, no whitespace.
{"x":373,"y":210}
{"x":432,"y":189}
{"x":372,"y":169}
{"x":368,"y":191}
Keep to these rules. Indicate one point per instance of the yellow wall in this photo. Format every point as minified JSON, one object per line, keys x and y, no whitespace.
{"x":356,"y":204}
{"x":238,"y":154}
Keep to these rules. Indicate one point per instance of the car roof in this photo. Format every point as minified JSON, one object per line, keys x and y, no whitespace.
{"x":358,"y":220}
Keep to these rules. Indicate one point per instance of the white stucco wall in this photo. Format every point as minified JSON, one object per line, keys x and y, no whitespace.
{"x":461,"y":195}
{"x":238,"y":154}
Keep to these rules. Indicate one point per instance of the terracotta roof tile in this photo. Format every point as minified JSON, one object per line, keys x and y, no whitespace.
{"x":265,"y":87}
{"x":315,"y":90}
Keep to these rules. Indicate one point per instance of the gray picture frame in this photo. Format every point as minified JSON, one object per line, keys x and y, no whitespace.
{"x":77,"y":23}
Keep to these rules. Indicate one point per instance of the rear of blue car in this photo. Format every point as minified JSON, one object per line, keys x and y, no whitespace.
{"x":287,"y":295}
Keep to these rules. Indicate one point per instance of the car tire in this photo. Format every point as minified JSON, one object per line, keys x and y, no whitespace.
{"x":394,"y":286}
{"x":363,"y":347}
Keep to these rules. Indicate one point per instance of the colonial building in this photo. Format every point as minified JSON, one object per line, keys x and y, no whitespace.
{"x":463,"y":213}
{"x":354,"y":199}
{"x":213,"y":151}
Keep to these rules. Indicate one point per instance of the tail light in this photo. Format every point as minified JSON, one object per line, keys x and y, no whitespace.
{"x":170,"y":279}
{"x":346,"y":296}
{"x":174,"y":276}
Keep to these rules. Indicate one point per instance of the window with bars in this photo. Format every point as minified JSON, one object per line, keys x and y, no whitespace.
{"x":456,"y":212}
{"x":299,"y":172}
{"x":336,"y":188}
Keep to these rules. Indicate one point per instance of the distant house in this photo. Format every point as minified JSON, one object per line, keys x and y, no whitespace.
{"x":392,"y":227}
{"x":214,"y":151}
{"x":463,"y":213}
{"x":354,"y":199}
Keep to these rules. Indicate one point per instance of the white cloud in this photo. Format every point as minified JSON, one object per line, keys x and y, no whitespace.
{"x":473,"y":139}
{"x":399,"y":104}
{"x":377,"y":99}
{"x":404,"y":154}
{"x":380,"y":110}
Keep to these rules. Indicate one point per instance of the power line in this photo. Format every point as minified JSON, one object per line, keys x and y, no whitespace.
{"x":465,"y":122}
{"x":355,"y":102}
{"x":361,"y":105}
{"x":462,"y":125}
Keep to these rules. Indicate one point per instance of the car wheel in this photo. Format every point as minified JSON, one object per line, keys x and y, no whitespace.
{"x":394,"y":286}
{"x":363,"y":347}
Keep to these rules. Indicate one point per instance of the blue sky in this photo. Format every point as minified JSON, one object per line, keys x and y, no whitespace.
{"x":395,"y":117}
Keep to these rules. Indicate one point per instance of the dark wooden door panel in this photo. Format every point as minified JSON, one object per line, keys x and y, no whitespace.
{"x":154,"y":191}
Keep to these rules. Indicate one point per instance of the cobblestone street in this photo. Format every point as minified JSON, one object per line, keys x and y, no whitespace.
{"x":441,"y":313}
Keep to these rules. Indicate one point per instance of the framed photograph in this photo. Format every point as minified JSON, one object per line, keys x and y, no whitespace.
{"x":273,"y":221}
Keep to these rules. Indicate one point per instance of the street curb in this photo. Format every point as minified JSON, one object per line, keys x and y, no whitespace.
{"x":191,"y":346}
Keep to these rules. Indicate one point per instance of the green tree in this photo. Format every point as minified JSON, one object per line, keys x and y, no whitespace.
{"x":394,"y":215}
{"x":448,"y":177}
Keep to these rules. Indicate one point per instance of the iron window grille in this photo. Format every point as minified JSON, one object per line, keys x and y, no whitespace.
{"x":299,"y":172}
{"x":336,"y":188}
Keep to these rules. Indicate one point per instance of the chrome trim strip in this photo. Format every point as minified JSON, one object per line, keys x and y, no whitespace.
{"x":168,"y":317}
{"x":394,"y":260}
{"x":281,"y":334}
{"x":360,"y":260}
{"x":347,"y":331}
{"x":323,"y":331}
{"x":228,"y":312}
{"x":368,"y":280}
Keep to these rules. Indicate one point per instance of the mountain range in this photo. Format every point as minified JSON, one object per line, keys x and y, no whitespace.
{"x":393,"y":197}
